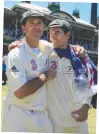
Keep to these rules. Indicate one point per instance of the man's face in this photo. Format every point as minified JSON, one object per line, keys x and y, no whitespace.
{"x":58,"y":37}
{"x":33,"y":28}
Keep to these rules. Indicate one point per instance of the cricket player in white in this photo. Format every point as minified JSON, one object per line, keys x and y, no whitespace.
{"x":64,"y":113}
{"x":24,"y":109}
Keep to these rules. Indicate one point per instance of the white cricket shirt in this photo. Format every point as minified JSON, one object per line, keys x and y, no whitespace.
{"x":60,"y":93}
{"x":23,"y":64}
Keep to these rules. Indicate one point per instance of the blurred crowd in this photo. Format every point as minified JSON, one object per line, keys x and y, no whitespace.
{"x":13,"y":33}
{"x":87,"y":44}
{"x":4,"y":77}
{"x":18,"y":34}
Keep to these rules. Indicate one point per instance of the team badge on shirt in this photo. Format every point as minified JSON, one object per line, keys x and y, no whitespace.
{"x":34,"y":65}
{"x":69,"y":70}
{"x":53,"y":64}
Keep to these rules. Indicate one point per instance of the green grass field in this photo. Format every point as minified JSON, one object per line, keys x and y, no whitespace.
{"x":91,"y":117}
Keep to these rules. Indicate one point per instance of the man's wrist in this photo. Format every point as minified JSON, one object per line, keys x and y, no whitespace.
{"x":86,"y":105}
{"x":88,"y":102}
{"x":43,"y":78}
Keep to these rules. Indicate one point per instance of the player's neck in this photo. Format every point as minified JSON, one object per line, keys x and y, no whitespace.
{"x":63,"y":46}
{"x":32,"y":43}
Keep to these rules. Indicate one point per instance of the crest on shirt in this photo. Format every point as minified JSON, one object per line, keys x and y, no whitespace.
{"x":69,"y":70}
{"x":53,"y":64}
{"x":34,"y":65}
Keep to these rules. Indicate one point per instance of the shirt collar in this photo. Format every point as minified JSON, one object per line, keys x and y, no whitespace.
{"x":63,"y":52}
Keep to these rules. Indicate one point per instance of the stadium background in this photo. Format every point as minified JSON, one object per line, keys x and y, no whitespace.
{"x":83,"y":33}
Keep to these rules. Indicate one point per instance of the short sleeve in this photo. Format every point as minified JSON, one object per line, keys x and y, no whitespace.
{"x":15,"y":71}
{"x":88,"y":101}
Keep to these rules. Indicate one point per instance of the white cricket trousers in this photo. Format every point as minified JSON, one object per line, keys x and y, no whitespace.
{"x":82,"y":129}
{"x":16,"y":119}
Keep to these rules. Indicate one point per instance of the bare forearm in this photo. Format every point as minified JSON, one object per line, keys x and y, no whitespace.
{"x":30,"y":87}
{"x":33,"y":85}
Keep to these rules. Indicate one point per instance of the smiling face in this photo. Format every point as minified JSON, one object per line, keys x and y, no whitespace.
{"x":58,"y":37}
{"x":33,"y":28}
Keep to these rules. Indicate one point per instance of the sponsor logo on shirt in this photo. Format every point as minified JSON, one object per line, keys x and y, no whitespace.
{"x":69,"y":70}
{"x":34,"y":65}
{"x":14,"y":69}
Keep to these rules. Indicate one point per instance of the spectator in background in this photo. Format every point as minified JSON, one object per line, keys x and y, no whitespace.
{"x":4,"y":77}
